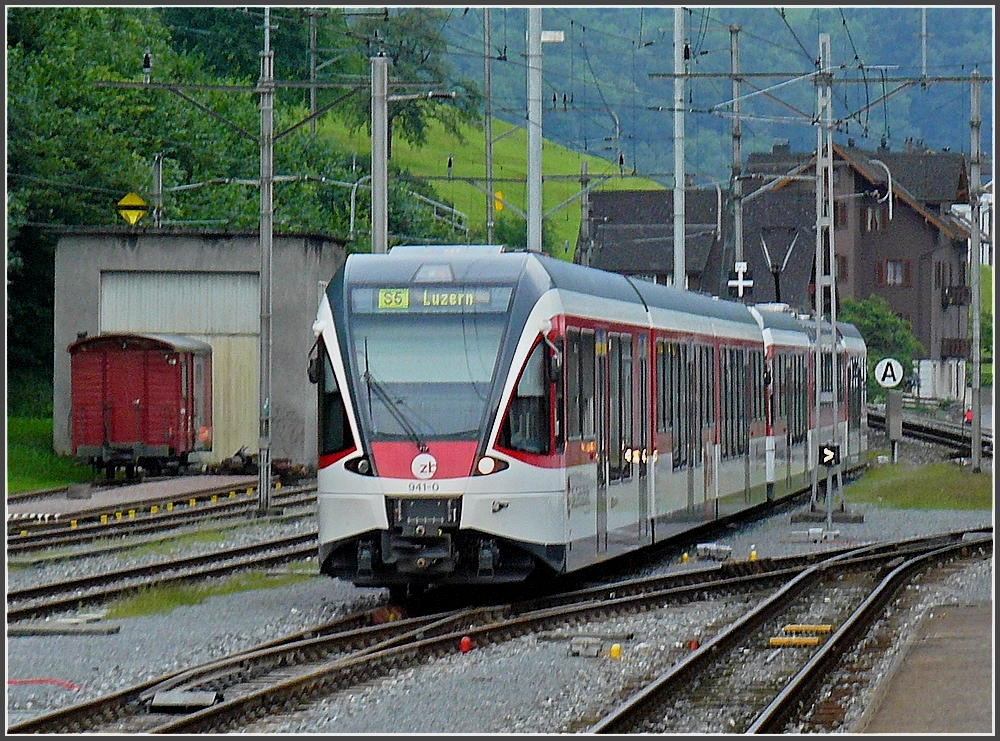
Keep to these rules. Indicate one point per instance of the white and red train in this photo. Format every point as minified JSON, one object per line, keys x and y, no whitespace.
{"x":486,"y":415}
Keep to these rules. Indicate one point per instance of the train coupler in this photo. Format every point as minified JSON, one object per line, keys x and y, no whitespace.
{"x":489,"y":555}
{"x":365,"y":557}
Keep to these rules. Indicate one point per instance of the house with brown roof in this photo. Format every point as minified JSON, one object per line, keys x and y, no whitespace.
{"x":895,"y":236}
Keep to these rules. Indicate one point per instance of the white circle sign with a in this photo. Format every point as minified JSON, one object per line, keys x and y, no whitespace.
{"x":888,"y":372}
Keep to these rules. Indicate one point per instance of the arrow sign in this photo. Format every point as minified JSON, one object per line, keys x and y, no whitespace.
{"x":132,"y":208}
{"x":829,"y":455}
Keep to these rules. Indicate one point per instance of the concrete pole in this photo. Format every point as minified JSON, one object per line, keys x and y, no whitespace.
{"x":680,"y":68}
{"x":312,"y":69}
{"x":488,"y":93}
{"x":975,"y":258}
{"x":380,"y":154}
{"x":266,"y":232}
{"x":534,"y":45}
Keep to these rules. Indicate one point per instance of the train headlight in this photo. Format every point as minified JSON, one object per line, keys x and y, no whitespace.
{"x":361,"y":466}
{"x":487,"y":465}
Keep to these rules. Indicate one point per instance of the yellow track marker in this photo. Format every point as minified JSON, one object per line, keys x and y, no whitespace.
{"x":795,"y":641}
{"x":795,"y":628}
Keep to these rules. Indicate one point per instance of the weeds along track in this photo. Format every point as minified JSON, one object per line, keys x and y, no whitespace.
{"x":48,"y":599}
{"x":230,"y":694}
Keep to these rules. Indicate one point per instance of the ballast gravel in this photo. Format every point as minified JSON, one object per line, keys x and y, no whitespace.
{"x":534,"y":684}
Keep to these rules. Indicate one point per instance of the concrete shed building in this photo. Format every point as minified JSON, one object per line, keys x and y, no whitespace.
{"x":204,"y":285}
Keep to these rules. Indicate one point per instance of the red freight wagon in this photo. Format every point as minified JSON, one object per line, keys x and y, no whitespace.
{"x":140,"y":401}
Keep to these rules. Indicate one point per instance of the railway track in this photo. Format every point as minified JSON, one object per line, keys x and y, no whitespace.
{"x":229,"y":694}
{"x":954,"y":437}
{"x":760,"y":675}
{"x":154,"y":516}
{"x":49,"y":599}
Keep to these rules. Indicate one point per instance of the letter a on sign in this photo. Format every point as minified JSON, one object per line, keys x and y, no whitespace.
{"x":888,"y":372}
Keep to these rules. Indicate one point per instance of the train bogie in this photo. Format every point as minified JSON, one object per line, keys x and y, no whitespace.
{"x":486,"y":415}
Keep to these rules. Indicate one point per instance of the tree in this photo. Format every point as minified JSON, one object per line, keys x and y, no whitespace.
{"x":886,"y":335}
{"x":413,"y":40}
{"x":76,"y":147}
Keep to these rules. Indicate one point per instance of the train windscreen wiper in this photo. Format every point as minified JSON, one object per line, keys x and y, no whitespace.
{"x":374,"y":386}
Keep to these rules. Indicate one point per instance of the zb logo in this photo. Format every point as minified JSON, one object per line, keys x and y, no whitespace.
{"x":424,"y":466}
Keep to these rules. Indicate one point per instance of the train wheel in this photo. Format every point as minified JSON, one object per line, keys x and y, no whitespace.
{"x":130,"y":472}
{"x":109,"y":471}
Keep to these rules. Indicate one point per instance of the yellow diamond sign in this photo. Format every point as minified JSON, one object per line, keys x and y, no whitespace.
{"x":132,"y":208}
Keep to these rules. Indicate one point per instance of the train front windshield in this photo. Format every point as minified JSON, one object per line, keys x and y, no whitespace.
{"x":424,"y":358}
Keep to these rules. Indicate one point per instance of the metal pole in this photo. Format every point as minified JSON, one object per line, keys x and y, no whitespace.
{"x":380,"y":154}
{"x":157,"y":189}
{"x":680,"y":69}
{"x":534,"y":44}
{"x":266,"y":226}
{"x":585,"y":235}
{"x":488,"y":84}
{"x":975,"y":257}
{"x":824,"y":237}
{"x":737,"y":154}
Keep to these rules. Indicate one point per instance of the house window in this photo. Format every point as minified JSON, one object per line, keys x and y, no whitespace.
{"x":841,"y":267}
{"x":875,"y":218}
{"x":894,"y":273}
{"x":839,"y":215}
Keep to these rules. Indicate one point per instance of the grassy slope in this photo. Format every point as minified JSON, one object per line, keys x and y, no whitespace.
{"x":509,"y":161}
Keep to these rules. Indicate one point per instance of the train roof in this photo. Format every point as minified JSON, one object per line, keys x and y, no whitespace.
{"x":496,"y":264}
{"x":165,"y":342}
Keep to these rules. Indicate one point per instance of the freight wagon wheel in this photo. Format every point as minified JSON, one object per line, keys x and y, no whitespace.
{"x":109,"y":471}
{"x":130,"y":472}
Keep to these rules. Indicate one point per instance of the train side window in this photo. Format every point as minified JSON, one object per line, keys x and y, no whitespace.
{"x":573,"y":418}
{"x":661,"y":388}
{"x":588,"y":384}
{"x":335,"y":431}
{"x":526,"y":427}
{"x":560,"y":397}
{"x":680,"y":390}
{"x":620,"y":384}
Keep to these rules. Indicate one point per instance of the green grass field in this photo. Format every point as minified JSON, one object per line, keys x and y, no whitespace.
{"x":510,"y":160}
{"x":933,"y":486}
{"x":31,"y":463}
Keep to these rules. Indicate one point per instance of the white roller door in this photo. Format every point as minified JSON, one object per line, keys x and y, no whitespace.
{"x":219,"y":308}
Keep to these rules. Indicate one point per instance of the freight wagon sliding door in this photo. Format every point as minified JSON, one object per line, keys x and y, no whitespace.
{"x":222,"y":309}
{"x":123,"y":411}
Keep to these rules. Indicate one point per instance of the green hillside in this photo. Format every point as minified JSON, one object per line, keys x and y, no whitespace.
{"x":509,"y":161}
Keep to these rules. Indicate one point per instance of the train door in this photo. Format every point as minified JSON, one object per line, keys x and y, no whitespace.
{"x":643,"y":421}
{"x":124,"y":382}
{"x":602,"y":435}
